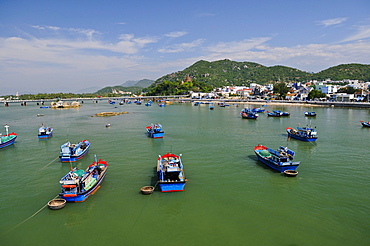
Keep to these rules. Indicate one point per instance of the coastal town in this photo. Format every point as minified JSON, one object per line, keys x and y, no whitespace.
{"x":297,"y":91}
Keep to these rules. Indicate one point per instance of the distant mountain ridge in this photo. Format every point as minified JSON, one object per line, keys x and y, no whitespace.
{"x":226,"y":72}
{"x":128,"y":86}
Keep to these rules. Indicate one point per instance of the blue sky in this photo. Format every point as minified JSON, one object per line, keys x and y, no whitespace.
{"x":66,"y":46}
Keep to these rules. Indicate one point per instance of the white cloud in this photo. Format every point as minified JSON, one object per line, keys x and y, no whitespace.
{"x":175,"y":34}
{"x":363,"y":32}
{"x":331,"y":22}
{"x":181,"y":47}
{"x":237,"y":46}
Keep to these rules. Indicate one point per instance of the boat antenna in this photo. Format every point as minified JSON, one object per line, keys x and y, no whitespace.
{"x":96,"y":160}
{"x":6,"y":129}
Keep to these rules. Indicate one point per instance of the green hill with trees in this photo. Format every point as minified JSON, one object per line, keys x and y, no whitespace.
{"x":226,"y":72}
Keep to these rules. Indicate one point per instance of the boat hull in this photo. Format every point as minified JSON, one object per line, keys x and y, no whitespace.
{"x":171,"y":186}
{"x":275,"y":166}
{"x":156,"y":135}
{"x":9,"y":142}
{"x":301,"y":138}
{"x":73,"y":158}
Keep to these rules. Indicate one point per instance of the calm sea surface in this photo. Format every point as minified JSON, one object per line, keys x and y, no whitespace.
{"x":230,"y":199}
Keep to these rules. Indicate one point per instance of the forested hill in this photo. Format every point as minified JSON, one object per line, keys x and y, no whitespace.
{"x":226,"y":72}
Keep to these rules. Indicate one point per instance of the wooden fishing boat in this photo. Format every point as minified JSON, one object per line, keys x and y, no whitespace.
{"x":279,"y":160}
{"x":77,"y":185}
{"x":155,"y":130}
{"x":307,"y":134}
{"x":45,"y":132}
{"x":170,"y":171}
{"x":8,"y":138}
{"x":73,"y":152}
{"x":58,"y":203}
{"x":364,"y":123}
{"x":146,"y":190}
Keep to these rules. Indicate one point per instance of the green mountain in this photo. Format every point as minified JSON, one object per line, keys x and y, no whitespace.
{"x":226,"y":72}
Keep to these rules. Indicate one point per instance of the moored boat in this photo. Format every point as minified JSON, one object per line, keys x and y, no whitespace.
{"x":73,"y":152}
{"x":258,"y":110}
{"x":273,"y":114}
{"x":309,"y":114}
{"x":282,"y":113}
{"x":155,"y":130}
{"x":170,"y":172}
{"x":279,"y":160}
{"x":58,"y":203}
{"x":307,"y":134}
{"x":291,"y":173}
{"x":45,"y":132}
{"x":247,"y":113}
{"x":77,"y":185}
{"x":146,"y":190}
{"x":364,"y":123}
{"x":8,"y":138}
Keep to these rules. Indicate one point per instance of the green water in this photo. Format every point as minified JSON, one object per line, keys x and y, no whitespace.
{"x":230,"y":199}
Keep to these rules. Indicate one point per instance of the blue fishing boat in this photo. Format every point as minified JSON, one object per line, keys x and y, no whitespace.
{"x":161,"y":104}
{"x":258,"y":110}
{"x":45,"y":132}
{"x":280,"y":160}
{"x":309,"y":114}
{"x":364,"y":123}
{"x":8,"y":138}
{"x":273,"y":114}
{"x":281,"y":113}
{"x":155,"y":130}
{"x":77,"y":185}
{"x":170,"y":173}
{"x":73,"y":152}
{"x":247,"y":113}
{"x":307,"y":134}
{"x":211,"y":107}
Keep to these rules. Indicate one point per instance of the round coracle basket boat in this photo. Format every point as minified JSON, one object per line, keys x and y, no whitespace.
{"x":146,"y":190}
{"x":57,"y":203}
{"x":291,"y":173}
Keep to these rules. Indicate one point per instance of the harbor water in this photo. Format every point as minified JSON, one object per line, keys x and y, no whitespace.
{"x":230,"y":197}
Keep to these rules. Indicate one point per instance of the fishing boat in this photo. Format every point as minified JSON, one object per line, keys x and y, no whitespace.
{"x":309,"y":114}
{"x":282,"y":113}
{"x":279,"y":160}
{"x":45,"y":132}
{"x":155,"y":130}
{"x":77,"y":185}
{"x":73,"y":152}
{"x":307,"y":134}
{"x":170,"y":173}
{"x":258,"y":110}
{"x":8,"y":138}
{"x":247,"y":113}
{"x":161,"y":105}
{"x":273,"y":114}
{"x":364,"y":123}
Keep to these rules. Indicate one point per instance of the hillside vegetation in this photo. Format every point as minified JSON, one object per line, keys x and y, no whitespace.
{"x":226,"y":72}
